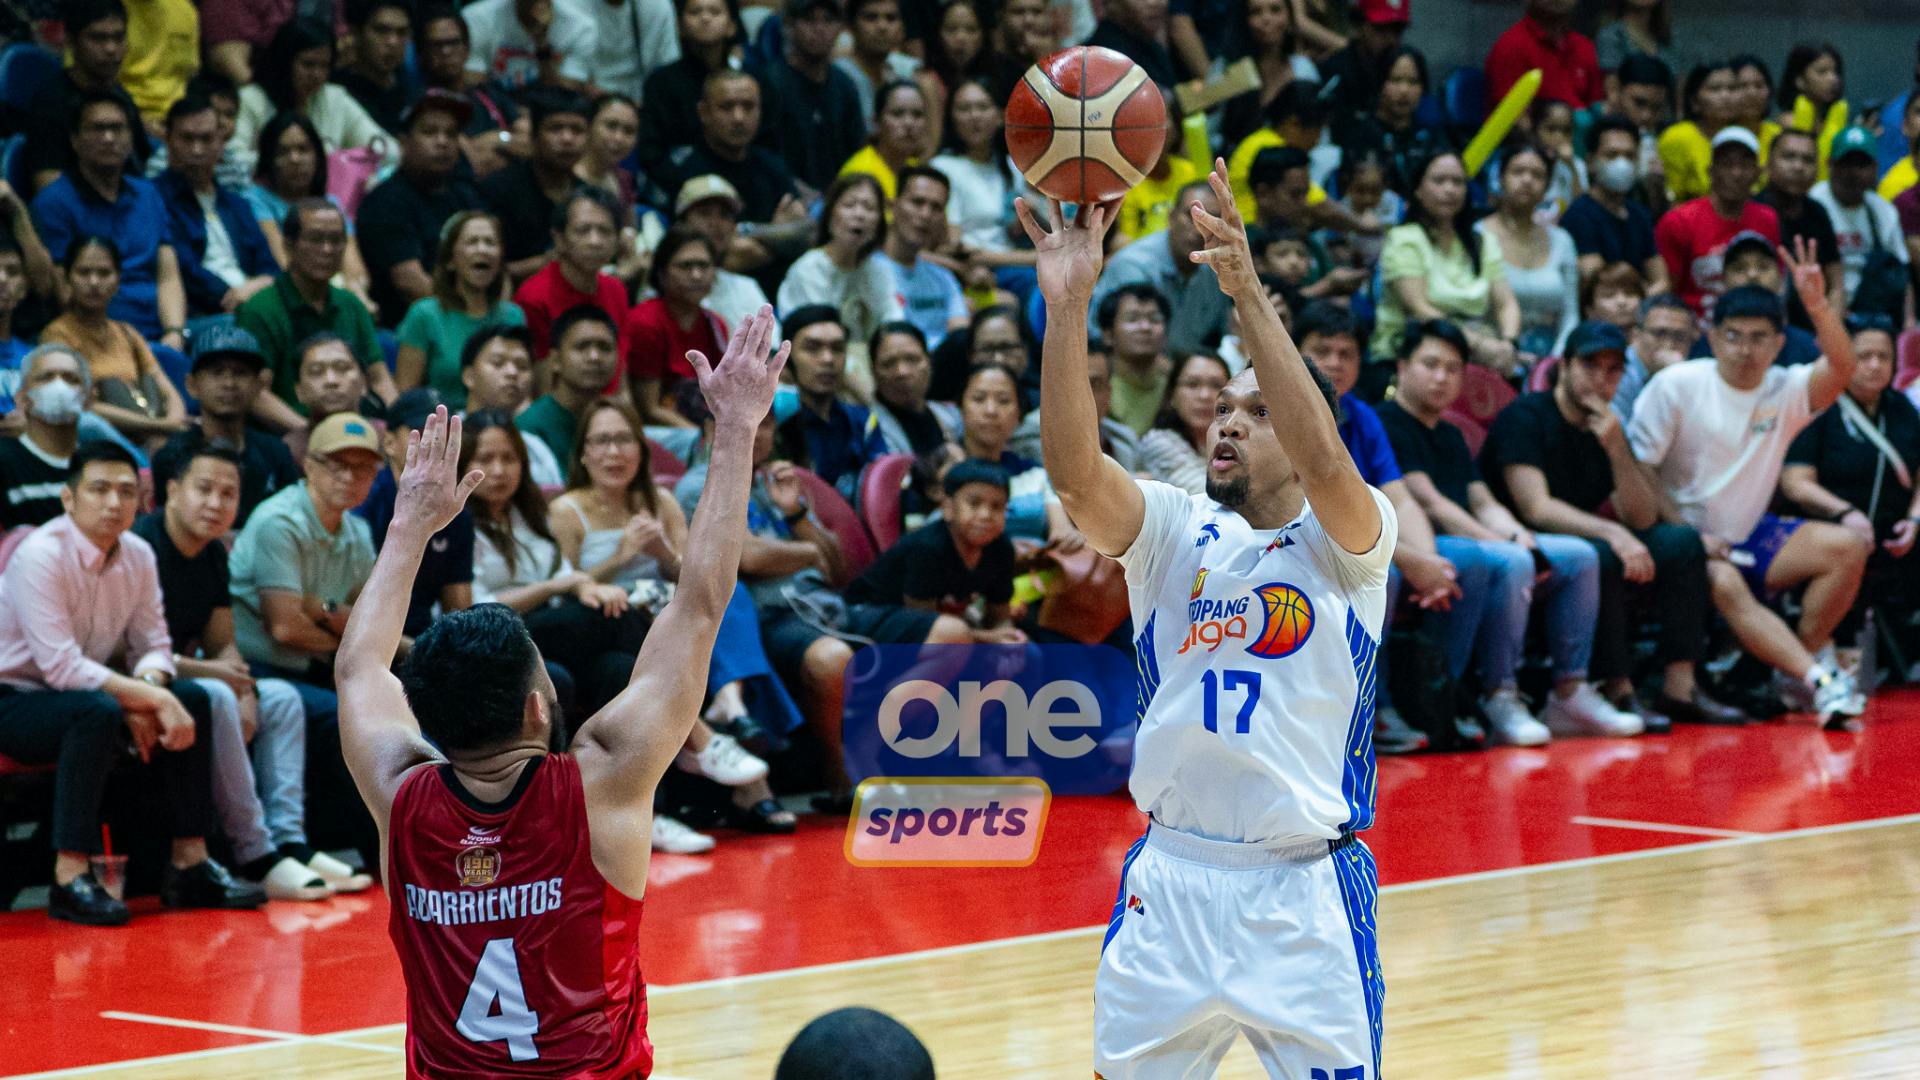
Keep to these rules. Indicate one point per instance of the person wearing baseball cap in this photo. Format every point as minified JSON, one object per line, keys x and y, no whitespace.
{"x":712,"y":205}
{"x":1555,"y":457}
{"x":302,"y":559}
{"x":1353,"y":76}
{"x":225,"y":379}
{"x":1693,"y":236}
{"x":1866,"y":225}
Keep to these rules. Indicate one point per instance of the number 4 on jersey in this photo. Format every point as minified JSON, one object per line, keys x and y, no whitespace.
{"x":498,"y":979}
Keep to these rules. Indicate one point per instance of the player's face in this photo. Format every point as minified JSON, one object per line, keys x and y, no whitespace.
{"x":1244,"y":458}
{"x":1337,"y":356}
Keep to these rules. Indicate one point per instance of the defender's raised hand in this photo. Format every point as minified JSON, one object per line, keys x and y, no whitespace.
{"x":1072,"y":254}
{"x":1227,"y":250}
{"x":432,"y":491}
{"x":739,"y":389}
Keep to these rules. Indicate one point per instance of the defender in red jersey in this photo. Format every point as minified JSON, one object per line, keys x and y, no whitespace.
{"x":515,"y":874}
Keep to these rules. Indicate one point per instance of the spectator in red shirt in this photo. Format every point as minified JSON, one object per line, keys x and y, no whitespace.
{"x":1543,"y":38}
{"x":1693,"y":236}
{"x":586,"y":231}
{"x":662,"y":329}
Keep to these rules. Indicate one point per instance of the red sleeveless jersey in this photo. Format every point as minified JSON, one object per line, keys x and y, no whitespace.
{"x":520,"y":959}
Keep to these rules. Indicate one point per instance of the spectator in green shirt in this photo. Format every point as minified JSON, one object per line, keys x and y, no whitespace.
{"x":302,"y":302}
{"x":586,"y":358}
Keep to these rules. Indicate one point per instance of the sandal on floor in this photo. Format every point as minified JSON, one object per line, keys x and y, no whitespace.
{"x":760,"y":818}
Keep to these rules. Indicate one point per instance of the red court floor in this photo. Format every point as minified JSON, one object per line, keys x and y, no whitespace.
{"x":767,"y":904}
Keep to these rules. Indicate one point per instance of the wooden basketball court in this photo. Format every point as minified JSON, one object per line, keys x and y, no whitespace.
{"x":1764,"y":925}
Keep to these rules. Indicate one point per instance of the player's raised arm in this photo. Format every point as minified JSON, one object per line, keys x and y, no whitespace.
{"x":1094,"y":490}
{"x":626,"y":747}
{"x":1301,"y":421}
{"x":378,"y":734}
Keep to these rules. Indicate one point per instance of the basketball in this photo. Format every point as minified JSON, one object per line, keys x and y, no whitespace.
{"x":1085,"y":124}
{"x":1289,"y":621}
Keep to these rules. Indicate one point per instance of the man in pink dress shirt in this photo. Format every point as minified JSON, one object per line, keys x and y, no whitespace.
{"x":78,"y":592}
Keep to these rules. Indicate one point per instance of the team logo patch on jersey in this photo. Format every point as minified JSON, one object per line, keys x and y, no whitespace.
{"x":477,"y":867}
{"x":1136,"y":905}
{"x":1289,"y":621}
{"x":1209,"y":531}
{"x":1199,"y":583}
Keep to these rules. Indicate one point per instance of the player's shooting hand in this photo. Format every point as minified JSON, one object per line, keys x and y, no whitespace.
{"x":1225,"y":236}
{"x":432,"y":491}
{"x":1071,"y":255}
{"x":739,"y":389}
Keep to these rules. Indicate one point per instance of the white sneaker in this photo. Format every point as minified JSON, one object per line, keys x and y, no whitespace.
{"x":339,"y":877}
{"x":1585,"y":712}
{"x":670,"y":836}
{"x":724,"y":761}
{"x":1512,"y":724}
{"x":288,"y":880}
{"x":1838,"y":700}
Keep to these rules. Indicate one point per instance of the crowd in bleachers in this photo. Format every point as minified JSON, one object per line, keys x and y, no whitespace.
{"x":1633,"y":381}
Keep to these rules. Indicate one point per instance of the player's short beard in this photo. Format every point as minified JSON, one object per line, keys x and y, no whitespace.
{"x":1228,"y":493}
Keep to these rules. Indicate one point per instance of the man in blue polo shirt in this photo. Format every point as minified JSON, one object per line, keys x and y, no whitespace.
{"x":826,"y":435}
{"x":224,"y":257}
{"x":94,"y":198}
{"x":1328,"y":337}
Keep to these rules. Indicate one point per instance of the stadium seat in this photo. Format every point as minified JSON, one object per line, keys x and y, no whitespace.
{"x":1483,"y":394}
{"x":1464,"y":99}
{"x":25,"y":70}
{"x":840,"y":520}
{"x":1541,"y":377}
{"x":1471,"y":428}
{"x":1906,"y":365}
{"x":667,"y":469}
{"x":880,"y":491}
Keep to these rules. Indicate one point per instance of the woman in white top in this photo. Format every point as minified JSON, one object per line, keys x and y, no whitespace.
{"x":1542,"y":267}
{"x":982,"y":181}
{"x":1175,"y":449}
{"x":844,"y":270}
{"x":293,"y":75}
{"x":618,"y":527}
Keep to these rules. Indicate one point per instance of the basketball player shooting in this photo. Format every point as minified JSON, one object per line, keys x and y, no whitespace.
{"x":516,"y":875}
{"x":1248,"y":907}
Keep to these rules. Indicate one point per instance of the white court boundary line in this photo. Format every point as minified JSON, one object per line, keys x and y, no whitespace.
{"x":656,"y":992}
{"x":1659,"y":827}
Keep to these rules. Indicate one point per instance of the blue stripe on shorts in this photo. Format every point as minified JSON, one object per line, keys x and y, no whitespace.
{"x":1360,"y":892}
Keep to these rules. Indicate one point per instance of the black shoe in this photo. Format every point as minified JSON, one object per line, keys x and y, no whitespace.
{"x":756,"y":739}
{"x":1700,"y":710}
{"x":207,"y":884}
{"x":1392,"y":735}
{"x":83,"y":901}
{"x":1653,"y":720}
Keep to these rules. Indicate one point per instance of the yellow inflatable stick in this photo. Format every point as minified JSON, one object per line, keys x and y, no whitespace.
{"x":1500,"y":122}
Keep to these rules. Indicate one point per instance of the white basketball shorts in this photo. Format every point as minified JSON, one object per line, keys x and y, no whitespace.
{"x":1210,"y":939}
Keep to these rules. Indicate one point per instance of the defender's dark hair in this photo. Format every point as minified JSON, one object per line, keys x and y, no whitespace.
{"x":468,"y":677}
{"x":90,"y":453}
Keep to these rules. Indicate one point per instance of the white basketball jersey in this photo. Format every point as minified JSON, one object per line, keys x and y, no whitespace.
{"x":1255,"y":652}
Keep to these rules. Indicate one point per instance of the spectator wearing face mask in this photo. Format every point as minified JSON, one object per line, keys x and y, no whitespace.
{"x":1607,"y":226}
